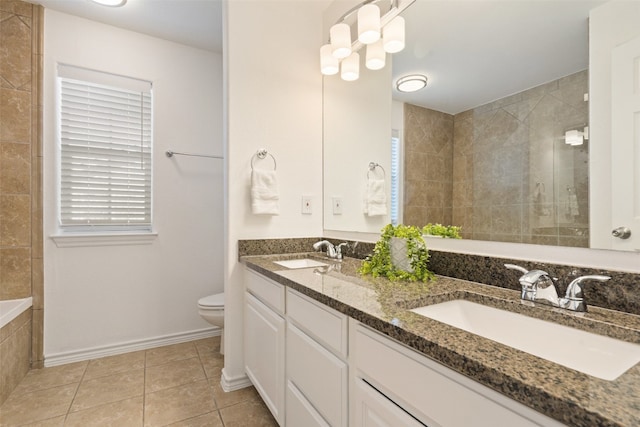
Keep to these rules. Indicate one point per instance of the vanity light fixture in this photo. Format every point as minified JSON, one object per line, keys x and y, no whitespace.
{"x":576,"y":137}
{"x":411,"y":83}
{"x":380,"y":29}
{"x":110,"y":3}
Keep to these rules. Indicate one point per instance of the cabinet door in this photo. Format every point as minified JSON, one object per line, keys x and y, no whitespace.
{"x":319,"y":375}
{"x":264,"y":353}
{"x":299,"y":411}
{"x":373,"y":409}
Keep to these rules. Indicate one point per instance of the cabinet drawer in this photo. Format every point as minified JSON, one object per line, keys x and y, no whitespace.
{"x":324,"y":324}
{"x":300,"y":412}
{"x":432,"y":393}
{"x":269,"y":292}
{"x":373,"y":409}
{"x":319,"y":375}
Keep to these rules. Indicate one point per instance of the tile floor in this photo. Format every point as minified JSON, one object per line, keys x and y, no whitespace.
{"x":177,"y":385}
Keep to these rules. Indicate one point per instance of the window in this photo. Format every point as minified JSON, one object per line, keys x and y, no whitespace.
{"x":105,"y":151}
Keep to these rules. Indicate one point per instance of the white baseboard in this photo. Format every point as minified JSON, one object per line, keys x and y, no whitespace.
{"x":234,"y":383}
{"x":126,"y":347}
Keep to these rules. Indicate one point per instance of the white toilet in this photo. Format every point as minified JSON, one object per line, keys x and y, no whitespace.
{"x":211,"y":309}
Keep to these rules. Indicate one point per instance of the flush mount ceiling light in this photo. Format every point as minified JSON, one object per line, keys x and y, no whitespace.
{"x":411,"y":83}
{"x":110,"y":3}
{"x":379,"y":28}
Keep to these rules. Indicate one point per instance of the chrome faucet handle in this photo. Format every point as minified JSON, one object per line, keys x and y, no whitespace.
{"x":331,"y":250}
{"x":574,"y":298}
{"x":530,"y":281}
{"x":339,"y":247}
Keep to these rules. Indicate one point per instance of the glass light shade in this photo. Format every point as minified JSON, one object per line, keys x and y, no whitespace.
{"x":411,"y":83}
{"x":574,"y":137}
{"x":369,"y":24}
{"x":112,"y":3}
{"x":328,"y":63}
{"x":350,"y":67}
{"x":376,"y":56}
{"x":393,"y":35}
{"x":340,"y":35}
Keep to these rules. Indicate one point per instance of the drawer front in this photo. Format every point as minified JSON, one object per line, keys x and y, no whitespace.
{"x":319,"y":375}
{"x":325,"y":325}
{"x":432,"y":393}
{"x":266,"y":290}
{"x":373,"y":409}
{"x":300,"y":412}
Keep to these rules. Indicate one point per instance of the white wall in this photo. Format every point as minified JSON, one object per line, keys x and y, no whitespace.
{"x":274,"y":101}
{"x":106,"y":299}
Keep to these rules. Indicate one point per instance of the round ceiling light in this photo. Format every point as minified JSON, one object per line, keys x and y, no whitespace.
{"x":110,"y":3}
{"x":411,"y":83}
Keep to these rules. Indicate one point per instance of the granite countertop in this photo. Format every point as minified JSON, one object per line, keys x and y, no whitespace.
{"x":564,"y":394}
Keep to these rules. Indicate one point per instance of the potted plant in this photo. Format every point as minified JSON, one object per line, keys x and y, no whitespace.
{"x":448,"y":231}
{"x":400,"y":254}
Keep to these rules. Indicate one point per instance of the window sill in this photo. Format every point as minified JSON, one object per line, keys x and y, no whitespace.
{"x":77,"y":240}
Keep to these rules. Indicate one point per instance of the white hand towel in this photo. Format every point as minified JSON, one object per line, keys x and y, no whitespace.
{"x":264,"y":192}
{"x":375,"y":200}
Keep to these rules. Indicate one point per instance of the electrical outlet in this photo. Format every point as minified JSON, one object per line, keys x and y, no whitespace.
{"x":307,"y":206}
{"x":337,"y":205}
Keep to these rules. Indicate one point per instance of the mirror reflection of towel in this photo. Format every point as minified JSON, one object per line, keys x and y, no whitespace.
{"x":264,"y":192}
{"x":375,"y":199}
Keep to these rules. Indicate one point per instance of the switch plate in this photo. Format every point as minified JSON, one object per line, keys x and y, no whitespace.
{"x":336,"y":202}
{"x":307,"y":206}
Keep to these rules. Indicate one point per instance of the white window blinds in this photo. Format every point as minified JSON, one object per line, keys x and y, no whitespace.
{"x":395,"y":177}
{"x":105,"y":150}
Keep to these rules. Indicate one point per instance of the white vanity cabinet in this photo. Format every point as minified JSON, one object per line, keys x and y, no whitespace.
{"x":316,"y":368}
{"x":423,"y":391}
{"x":264,"y":340}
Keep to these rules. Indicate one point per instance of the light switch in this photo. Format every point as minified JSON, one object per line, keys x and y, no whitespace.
{"x":337,"y":205}
{"x":307,"y":206}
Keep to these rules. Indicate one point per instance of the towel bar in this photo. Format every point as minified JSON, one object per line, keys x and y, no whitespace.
{"x":262,"y":154}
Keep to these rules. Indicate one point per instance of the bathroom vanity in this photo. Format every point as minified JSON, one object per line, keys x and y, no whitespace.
{"x":326,"y":347}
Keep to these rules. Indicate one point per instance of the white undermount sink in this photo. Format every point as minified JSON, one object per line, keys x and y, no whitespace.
{"x":300,"y":263}
{"x":596,"y":355}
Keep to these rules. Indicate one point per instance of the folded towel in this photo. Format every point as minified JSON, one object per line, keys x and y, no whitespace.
{"x":264,"y":192}
{"x":375,"y":199}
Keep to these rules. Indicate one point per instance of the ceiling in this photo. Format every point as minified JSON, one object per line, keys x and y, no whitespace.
{"x":472,"y":51}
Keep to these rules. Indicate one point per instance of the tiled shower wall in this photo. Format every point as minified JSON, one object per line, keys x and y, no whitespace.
{"x":21,"y":263}
{"x":513,"y":177}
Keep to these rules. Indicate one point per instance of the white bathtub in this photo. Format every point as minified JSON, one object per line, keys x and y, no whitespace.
{"x":10,"y":309}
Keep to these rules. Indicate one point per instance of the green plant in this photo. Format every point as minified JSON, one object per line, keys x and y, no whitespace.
{"x":450,"y":231}
{"x":379,"y":263}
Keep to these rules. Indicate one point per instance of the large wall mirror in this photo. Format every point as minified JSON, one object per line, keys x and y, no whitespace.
{"x":504,"y":141}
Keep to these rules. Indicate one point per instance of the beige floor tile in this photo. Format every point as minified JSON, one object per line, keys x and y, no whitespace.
{"x":173,"y":374}
{"x":178,"y":404}
{"x":171,"y":353}
{"x":250,"y":413}
{"x":51,"y":422}
{"x":213,"y":373}
{"x":114,"y":364}
{"x":37,"y":406}
{"x":125,"y":413}
{"x":40,"y":379}
{"x":224,"y":399}
{"x":108,"y":389}
{"x":212,"y":419}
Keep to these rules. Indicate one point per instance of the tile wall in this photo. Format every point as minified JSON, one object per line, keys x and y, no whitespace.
{"x":21,"y":263}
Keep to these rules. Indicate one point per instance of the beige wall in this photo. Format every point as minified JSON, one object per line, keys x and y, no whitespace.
{"x":20,"y":173}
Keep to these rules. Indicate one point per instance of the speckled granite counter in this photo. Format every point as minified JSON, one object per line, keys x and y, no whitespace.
{"x":569,"y":396}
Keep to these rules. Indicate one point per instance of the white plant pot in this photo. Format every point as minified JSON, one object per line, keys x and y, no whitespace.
{"x":398,"y":252}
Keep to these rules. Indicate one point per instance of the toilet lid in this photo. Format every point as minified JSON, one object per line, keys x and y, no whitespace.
{"x":216,"y":300}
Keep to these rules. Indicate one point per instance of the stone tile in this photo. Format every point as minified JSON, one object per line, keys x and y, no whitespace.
{"x":15,"y":273}
{"x":173,"y":374}
{"x":171,"y":353}
{"x":212,"y":419}
{"x":208,"y":346}
{"x":37,"y":406}
{"x":114,"y":364}
{"x":213,"y":367}
{"x":55,"y":376}
{"x":15,"y":168}
{"x":108,"y":389}
{"x":37,"y":340}
{"x":51,"y":422}
{"x":252,"y":413}
{"x":14,"y":363}
{"x":127,"y":412}
{"x":15,"y":54}
{"x":179,"y":403}
{"x":224,"y":399}
{"x":15,"y":220}
{"x":16,"y":6}
{"x":15,"y":110}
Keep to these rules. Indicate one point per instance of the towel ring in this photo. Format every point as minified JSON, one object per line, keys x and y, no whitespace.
{"x":373,"y":166}
{"x":262,"y":154}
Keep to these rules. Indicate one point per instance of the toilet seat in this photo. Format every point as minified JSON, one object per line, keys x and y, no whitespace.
{"x":212,"y":301}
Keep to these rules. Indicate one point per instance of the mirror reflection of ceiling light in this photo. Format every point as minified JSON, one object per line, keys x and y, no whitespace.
{"x":411,"y":83}
{"x":110,"y":3}
{"x":575,"y":136}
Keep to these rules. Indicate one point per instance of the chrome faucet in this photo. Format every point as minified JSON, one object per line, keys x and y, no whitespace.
{"x":332,"y":251}
{"x":538,"y":286}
